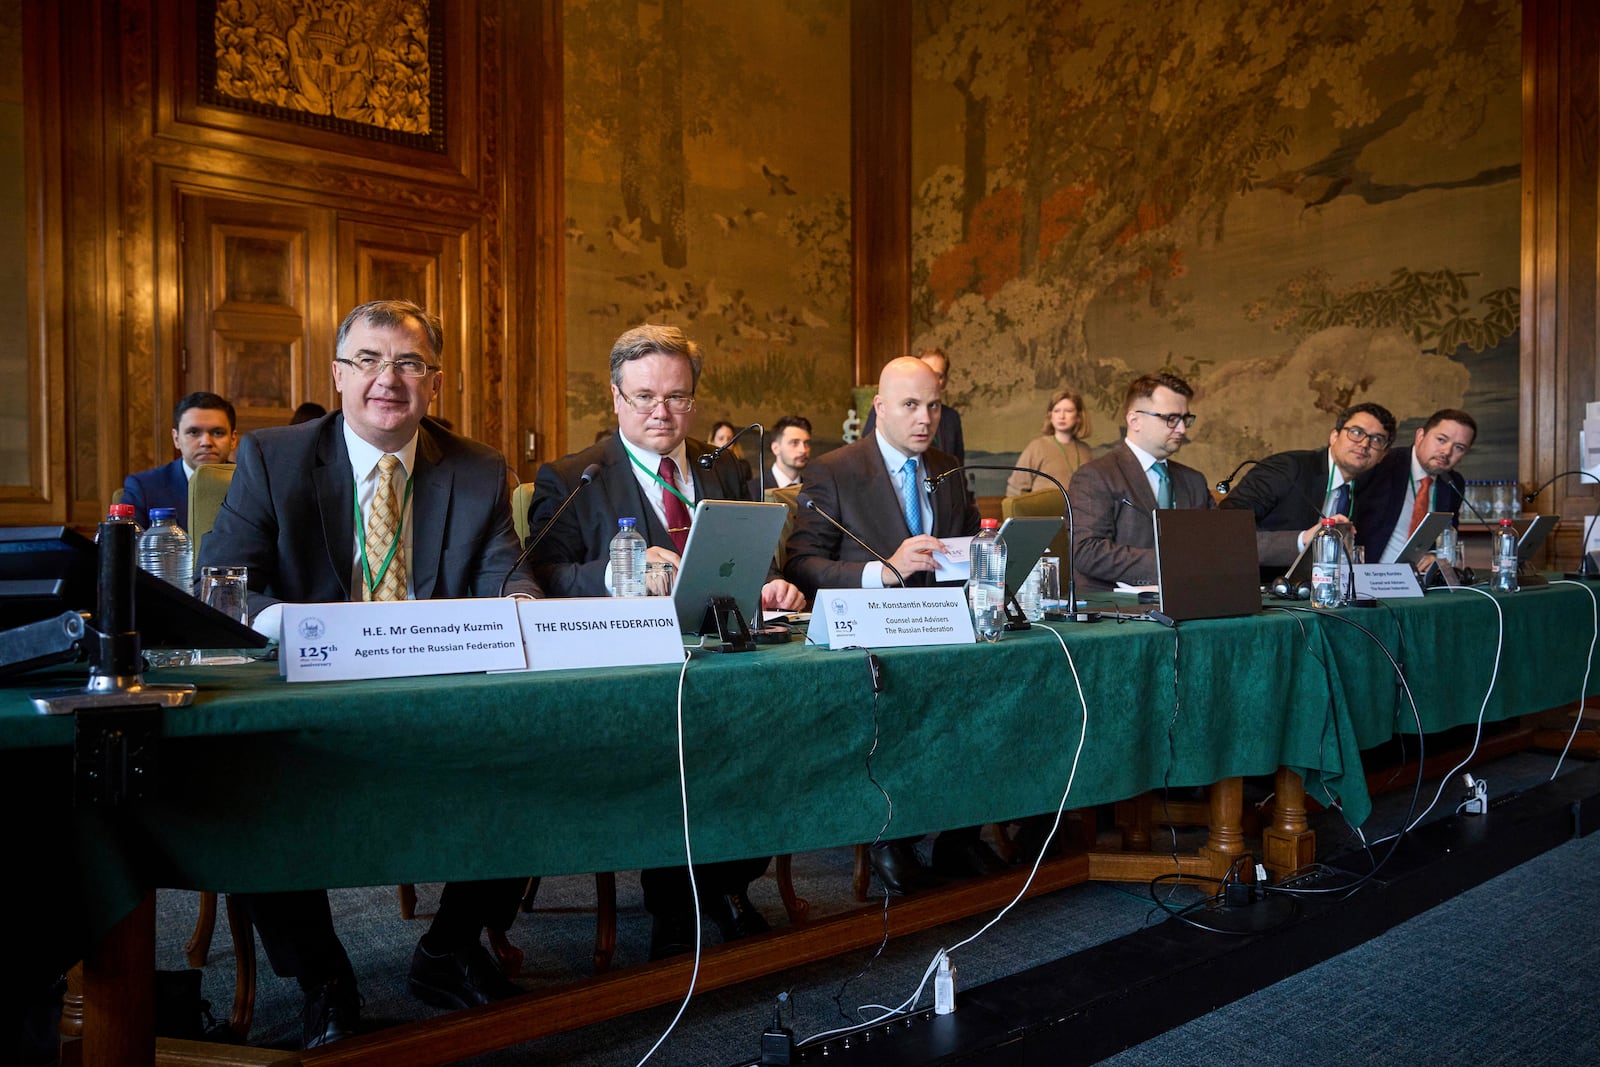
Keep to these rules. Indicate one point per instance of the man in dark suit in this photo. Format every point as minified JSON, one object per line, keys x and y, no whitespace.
{"x":1113,"y":495}
{"x":790,"y":441}
{"x":649,"y":470}
{"x":203,"y":431}
{"x":1410,"y":482}
{"x":1290,"y":492}
{"x":948,"y":437}
{"x":876,"y":489}
{"x":291,"y":517}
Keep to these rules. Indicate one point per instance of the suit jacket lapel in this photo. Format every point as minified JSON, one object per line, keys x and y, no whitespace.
{"x":1139,"y":491}
{"x":627,"y":496}
{"x":335,"y":485}
{"x":430,"y":509}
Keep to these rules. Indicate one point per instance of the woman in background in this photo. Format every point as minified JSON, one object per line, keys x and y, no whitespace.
{"x":1060,"y":450}
{"x":721,"y":434}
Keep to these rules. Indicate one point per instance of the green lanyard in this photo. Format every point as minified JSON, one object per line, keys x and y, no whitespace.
{"x":361,"y":539}
{"x":668,"y":486}
{"x":1070,"y":457}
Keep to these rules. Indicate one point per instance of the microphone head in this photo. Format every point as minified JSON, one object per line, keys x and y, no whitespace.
{"x":1528,"y":498}
{"x":1223,"y":486}
{"x":707,"y":459}
{"x":807,"y":503}
{"x":590,"y":473}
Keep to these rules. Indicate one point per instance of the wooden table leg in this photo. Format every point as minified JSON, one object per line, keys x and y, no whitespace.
{"x":119,"y":1000}
{"x":1225,"y":839}
{"x":1288,"y":844}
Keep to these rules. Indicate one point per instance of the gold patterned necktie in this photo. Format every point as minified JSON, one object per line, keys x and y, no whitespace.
{"x":383,"y":533}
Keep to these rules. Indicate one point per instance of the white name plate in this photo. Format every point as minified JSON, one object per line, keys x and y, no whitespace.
{"x":1386,"y":581}
{"x":890,"y":618}
{"x":600,"y":632}
{"x":399,"y":639}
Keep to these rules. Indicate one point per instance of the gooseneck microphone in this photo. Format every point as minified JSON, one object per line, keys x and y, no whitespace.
{"x":709,"y":458}
{"x":1587,"y":567}
{"x":1227,"y":483}
{"x":933,"y":481}
{"x":842,"y":528}
{"x":589,"y":474}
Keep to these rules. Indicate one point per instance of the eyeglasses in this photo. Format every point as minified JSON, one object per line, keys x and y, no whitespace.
{"x":1172,"y":421}
{"x":1357,"y":435}
{"x":371,"y":366}
{"x":645,"y":403}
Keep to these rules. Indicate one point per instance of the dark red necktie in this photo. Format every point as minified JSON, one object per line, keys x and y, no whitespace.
{"x":672,"y":505}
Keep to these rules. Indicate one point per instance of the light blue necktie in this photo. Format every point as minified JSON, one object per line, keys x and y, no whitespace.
{"x":911,"y":496}
{"x":1163,"y":486}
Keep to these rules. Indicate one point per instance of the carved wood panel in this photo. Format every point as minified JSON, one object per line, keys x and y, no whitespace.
{"x":252,"y":273}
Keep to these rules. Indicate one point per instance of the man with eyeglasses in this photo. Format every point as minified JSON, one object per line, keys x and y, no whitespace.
{"x":650,"y":470}
{"x":204,"y":430}
{"x":1113,"y":495}
{"x":373,"y":502}
{"x":1286,"y":489}
{"x":1410,"y":482}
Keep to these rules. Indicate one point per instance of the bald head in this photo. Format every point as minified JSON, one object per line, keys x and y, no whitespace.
{"x":907,"y":405}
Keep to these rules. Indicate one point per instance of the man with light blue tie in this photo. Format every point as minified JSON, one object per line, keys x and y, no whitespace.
{"x":1113,"y":495}
{"x":877,"y":489}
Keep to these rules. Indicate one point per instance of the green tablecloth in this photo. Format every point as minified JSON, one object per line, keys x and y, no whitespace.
{"x":264,"y":785}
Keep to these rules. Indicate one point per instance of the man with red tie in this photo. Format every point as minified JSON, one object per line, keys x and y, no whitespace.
{"x":1410,"y":482}
{"x":650,"y":470}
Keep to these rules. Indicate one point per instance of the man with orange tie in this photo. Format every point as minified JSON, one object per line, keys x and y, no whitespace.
{"x":1410,"y":482}
{"x":650,"y":470}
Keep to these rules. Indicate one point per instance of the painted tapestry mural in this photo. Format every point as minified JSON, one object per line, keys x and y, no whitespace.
{"x":1296,"y":206}
{"x":708,"y":187}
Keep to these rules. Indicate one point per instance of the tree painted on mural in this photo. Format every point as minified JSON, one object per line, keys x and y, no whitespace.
{"x":643,"y":80}
{"x":1101,"y":139}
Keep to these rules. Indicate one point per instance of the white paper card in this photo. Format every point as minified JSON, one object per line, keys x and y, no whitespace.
{"x":399,"y":638}
{"x":890,"y":618}
{"x":1386,"y":581}
{"x":954,"y":564}
{"x":600,"y":632}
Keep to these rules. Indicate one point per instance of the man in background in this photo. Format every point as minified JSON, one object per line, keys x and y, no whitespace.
{"x":1113,"y":495}
{"x":1291,"y":492}
{"x":791,"y":452}
{"x":203,"y":431}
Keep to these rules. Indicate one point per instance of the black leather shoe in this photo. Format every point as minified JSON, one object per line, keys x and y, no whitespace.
{"x":734,"y":916}
{"x":671,"y":937}
{"x":332,"y":1012}
{"x":898,"y":868}
{"x":964,"y":857}
{"x":465,"y":978}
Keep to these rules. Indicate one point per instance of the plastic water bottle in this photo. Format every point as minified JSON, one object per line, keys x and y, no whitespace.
{"x":1447,"y":546}
{"x":1030,"y":598}
{"x":1504,"y":579}
{"x":165,"y":550}
{"x":627,"y":560}
{"x":1325,"y":555}
{"x":986,"y":589}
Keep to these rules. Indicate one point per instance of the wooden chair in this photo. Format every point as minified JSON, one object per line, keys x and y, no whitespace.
{"x":789,"y":497}
{"x":1041,"y":503}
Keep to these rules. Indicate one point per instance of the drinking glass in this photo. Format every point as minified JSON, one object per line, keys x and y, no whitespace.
{"x":659,"y":576}
{"x":227,"y":589}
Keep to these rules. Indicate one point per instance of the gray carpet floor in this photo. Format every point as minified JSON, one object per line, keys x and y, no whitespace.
{"x":1505,"y":966}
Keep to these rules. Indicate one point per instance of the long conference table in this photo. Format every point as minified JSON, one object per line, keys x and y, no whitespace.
{"x":262,"y":785}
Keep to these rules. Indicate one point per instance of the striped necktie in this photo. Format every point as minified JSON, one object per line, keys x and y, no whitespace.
{"x":383,"y":533}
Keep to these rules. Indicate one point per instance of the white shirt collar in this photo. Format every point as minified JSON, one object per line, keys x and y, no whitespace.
{"x":1417,"y":471}
{"x":1146,"y":460}
{"x":893,"y":458}
{"x":651,"y":461}
{"x":364,"y":457}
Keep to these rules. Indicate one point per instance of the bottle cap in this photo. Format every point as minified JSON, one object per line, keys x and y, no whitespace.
{"x":157,"y":514}
{"x":120,"y":511}
{"x":989,"y":524}
{"x":626,"y":522}
{"x":1505,"y":522}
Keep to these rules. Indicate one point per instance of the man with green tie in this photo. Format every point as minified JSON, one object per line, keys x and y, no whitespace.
{"x":1114,"y":538}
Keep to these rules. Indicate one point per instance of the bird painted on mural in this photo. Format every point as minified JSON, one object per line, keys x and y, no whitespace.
{"x":776,"y":183}
{"x":724,"y":223}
